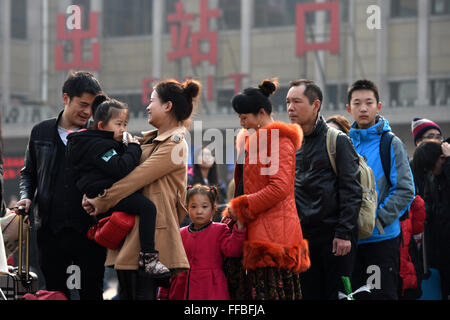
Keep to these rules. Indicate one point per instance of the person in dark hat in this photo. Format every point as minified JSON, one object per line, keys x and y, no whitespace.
{"x":424,"y":129}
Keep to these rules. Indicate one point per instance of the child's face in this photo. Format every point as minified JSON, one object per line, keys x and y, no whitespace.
{"x":364,"y":108}
{"x":200,"y":210}
{"x":117,"y":124}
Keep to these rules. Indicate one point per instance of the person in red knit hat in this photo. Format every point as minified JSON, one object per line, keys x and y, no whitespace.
{"x":424,"y":129}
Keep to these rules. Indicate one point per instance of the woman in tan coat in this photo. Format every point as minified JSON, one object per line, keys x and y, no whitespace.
{"x":162,"y":178}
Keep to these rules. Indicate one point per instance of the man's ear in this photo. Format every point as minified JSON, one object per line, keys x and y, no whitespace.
{"x":379,"y":106}
{"x":317,"y":105}
{"x":349,"y":109}
{"x":66,"y":99}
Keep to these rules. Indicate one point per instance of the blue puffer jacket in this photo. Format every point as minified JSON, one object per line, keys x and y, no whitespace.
{"x":393,"y":201}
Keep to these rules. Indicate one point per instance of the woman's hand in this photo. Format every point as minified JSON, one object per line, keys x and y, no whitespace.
{"x":88,"y":206}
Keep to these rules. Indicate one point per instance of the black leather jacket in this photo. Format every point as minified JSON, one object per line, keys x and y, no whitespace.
{"x":37,"y":177}
{"x":328,"y":206}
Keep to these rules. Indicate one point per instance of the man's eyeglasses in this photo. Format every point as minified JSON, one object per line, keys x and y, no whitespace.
{"x":434,"y":137}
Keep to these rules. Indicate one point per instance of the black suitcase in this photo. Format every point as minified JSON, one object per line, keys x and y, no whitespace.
{"x":20,"y":280}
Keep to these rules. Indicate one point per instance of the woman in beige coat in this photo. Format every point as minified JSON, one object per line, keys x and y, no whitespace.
{"x":162,"y":178}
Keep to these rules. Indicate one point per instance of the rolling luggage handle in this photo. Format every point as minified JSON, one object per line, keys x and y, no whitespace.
{"x":26,"y":280}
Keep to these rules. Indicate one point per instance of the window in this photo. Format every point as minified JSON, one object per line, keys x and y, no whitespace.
{"x":440,"y":92}
{"x":403,"y":93}
{"x":127,"y":18}
{"x":336,"y":96}
{"x":231,"y":14}
{"x":403,"y":8}
{"x":440,"y":7}
{"x":133,"y":100}
{"x":19,"y":21}
{"x":270,"y":13}
{"x":279,"y":100}
{"x":224,"y":97}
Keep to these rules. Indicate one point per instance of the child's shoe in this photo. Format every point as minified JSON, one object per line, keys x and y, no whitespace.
{"x":149,"y":264}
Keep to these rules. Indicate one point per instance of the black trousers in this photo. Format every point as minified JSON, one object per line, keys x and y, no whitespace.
{"x":378,"y":259}
{"x":133,"y":286}
{"x":323,"y":280}
{"x":70,"y":248}
{"x":143,"y":207}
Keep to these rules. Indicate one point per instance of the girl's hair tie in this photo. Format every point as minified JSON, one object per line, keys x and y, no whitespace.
{"x":189,"y":187}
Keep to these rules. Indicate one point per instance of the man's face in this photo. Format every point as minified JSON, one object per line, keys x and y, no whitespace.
{"x":78,"y":110}
{"x":430,"y":135}
{"x":299,"y":109}
{"x":364,"y":108}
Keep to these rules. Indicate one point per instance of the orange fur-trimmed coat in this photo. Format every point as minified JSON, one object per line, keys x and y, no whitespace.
{"x":268,"y":205}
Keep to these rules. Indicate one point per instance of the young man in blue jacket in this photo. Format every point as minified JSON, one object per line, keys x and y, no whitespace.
{"x":378,"y":257}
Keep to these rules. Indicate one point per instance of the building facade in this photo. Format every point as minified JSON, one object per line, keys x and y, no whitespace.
{"x":402,"y":45}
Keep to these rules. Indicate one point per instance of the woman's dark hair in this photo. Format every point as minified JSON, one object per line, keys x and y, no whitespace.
{"x":425,"y":156}
{"x":251,"y":100}
{"x":182,"y":95}
{"x":341,"y":122}
{"x":197,"y":177}
{"x":211,"y":192}
{"x":78,"y":83}
{"x":104,"y":108}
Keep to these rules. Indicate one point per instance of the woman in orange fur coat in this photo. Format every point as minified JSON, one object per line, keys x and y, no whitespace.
{"x":275,"y":252}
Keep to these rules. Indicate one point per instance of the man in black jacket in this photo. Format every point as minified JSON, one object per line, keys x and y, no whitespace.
{"x":328,"y":205}
{"x":67,"y":258}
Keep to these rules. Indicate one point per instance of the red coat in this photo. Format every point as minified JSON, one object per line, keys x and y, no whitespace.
{"x":206,"y":251}
{"x":411,"y":226}
{"x":268,"y":206}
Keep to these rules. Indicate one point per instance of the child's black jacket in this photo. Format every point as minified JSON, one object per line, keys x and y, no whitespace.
{"x":99,"y":160}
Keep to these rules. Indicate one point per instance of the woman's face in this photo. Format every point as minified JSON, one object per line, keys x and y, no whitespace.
{"x":249,"y":121}
{"x":205,"y":159}
{"x":156,"y":110}
{"x":438,"y":167}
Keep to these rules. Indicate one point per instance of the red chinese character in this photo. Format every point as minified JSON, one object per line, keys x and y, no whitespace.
{"x":333,"y":44}
{"x":180,"y":35}
{"x":205,"y":34}
{"x":77,"y":36}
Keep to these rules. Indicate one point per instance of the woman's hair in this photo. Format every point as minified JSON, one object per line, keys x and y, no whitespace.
{"x":197,"y":173}
{"x":182,"y":95}
{"x":252,"y":99}
{"x":211,"y":192}
{"x":341,"y":122}
{"x":104,"y":108}
{"x":425,"y":156}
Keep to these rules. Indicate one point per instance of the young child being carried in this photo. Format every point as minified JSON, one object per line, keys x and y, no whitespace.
{"x":206,"y":243}
{"x":101,"y":158}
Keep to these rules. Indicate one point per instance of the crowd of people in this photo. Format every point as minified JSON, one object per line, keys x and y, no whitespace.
{"x":286,"y":228}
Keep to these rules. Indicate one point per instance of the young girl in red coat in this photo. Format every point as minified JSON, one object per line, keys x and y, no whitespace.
{"x":207,"y":244}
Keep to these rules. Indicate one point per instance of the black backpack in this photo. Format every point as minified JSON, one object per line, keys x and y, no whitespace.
{"x":385,"y":154}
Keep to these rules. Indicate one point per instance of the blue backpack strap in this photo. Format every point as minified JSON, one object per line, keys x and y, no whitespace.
{"x":385,"y":153}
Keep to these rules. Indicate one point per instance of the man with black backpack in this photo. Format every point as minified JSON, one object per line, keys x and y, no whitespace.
{"x":378,"y":257}
{"x":328,"y":203}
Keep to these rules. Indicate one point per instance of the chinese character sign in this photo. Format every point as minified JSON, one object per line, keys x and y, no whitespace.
{"x":76,"y":36}
{"x":180,"y":32}
{"x":333,"y":44}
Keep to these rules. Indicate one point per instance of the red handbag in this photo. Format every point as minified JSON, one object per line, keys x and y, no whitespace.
{"x":109,"y":232}
{"x":45,"y":295}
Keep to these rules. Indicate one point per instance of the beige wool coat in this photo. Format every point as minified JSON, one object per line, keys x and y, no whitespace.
{"x":162,"y":176}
